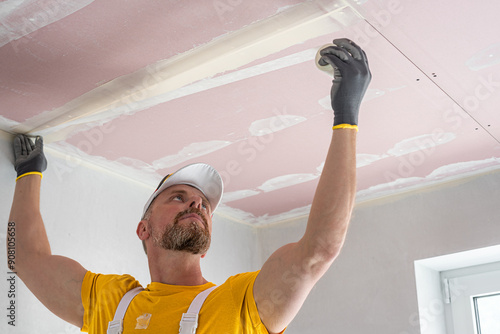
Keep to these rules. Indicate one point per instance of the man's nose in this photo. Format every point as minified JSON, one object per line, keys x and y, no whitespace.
{"x":196,"y":202}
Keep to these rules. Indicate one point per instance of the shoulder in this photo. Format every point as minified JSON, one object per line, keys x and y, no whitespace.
{"x":100,"y":295}
{"x":239,"y":285}
{"x":102,"y":283}
{"x":241,"y":279}
{"x":235,"y":297}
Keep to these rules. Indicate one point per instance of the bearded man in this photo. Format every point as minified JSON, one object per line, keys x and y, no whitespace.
{"x":175,"y":229}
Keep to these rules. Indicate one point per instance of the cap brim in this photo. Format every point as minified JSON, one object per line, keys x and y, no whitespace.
{"x":201,"y":176}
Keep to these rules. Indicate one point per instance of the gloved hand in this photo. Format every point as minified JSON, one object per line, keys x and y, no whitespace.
{"x":351,"y":79}
{"x":28,"y":157}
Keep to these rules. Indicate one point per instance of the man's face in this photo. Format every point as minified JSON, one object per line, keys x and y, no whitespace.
{"x":180,"y":220}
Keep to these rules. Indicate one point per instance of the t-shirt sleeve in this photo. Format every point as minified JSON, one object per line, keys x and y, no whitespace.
{"x":101,"y":295}
{"x":242,"y":287}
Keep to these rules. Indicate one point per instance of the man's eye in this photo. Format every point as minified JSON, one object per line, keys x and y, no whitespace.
{"x":205,"y":206}
{"x":178,"y":198}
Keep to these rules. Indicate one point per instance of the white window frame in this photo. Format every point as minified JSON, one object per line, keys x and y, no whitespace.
{"x":433,"y":298}
{"x":466,"y":283}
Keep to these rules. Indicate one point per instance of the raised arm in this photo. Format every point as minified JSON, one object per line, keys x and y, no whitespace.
{"x":55,"y":280}
{"x":290,"y":273}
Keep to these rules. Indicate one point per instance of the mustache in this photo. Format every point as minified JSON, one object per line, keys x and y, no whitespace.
{"x":190,"y":211}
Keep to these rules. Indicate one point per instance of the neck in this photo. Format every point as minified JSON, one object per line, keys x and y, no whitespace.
{"x":176,"y":268}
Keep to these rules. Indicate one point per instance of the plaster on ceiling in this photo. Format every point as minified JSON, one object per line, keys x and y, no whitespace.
{"x":143,"y":88}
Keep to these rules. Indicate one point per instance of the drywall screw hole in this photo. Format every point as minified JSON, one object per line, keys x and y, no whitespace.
{"x":418,"y":79}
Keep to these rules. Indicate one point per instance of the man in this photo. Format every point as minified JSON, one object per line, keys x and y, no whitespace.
{"x":175,"y":230}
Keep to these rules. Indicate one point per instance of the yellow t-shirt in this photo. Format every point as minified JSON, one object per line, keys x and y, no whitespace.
{"x":230,"y":308}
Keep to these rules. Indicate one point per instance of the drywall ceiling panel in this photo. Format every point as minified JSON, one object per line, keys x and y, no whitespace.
{"x":455,"y":47}
{"x":414,"y":134}
{"x":143,"y":88}
{"x":105,"y":40}
{"x":454,"y":44}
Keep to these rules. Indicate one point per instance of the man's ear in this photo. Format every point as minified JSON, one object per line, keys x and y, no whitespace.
{"x":142,"y":230}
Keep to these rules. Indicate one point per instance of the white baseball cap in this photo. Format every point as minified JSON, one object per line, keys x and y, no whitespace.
{"x":199,"y":175}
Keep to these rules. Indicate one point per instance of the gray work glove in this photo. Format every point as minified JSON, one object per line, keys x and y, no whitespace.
{"x":351,"y":79}
{"x":28,"y":157}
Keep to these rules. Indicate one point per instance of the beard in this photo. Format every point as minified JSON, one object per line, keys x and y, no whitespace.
{"x":191,"y":238}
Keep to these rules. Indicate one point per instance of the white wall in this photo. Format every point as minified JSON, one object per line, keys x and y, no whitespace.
{"x":371,"y":286}
{"x":91,"y":216}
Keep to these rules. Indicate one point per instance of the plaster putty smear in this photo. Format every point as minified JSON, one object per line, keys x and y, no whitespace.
{"x":72,"y":157}
{"x":266,"y":126}
{"x":487,"y":57}
{"x":440,"y":175}
{"x":420,"y":143}
{"x":285,"y":181}
{"x":364,"y":159}
{"x":23,"y":17}
{"x":238,"y":194}
{"x":247,"y":218}
{"x":191,"y":151}
{"x":276,"y":183}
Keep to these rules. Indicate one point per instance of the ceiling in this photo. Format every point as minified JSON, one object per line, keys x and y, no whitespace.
{"x":144,"y":87}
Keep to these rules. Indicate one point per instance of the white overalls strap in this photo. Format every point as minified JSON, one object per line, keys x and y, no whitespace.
{"x":189,"y":321}
{"x":116,"y":326}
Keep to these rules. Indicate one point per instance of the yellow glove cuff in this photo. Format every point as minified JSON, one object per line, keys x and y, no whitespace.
{"x":345,"y":126}
{"x":30,"y":173}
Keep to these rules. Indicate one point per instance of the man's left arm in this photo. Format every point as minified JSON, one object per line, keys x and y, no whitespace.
{"x":290,"y":273}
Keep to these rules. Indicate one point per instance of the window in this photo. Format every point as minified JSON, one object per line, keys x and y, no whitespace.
{"x":487,"y":313}
{"x":459,"y":293}
{"x":468,"y":292}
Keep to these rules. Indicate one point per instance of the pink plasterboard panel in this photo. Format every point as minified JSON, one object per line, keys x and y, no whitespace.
{"x":410,"y":106}
{"x":414,"y":96}
{"x":421,"y":163}
{"x":460,"y":58}
{"x":63,"y":60}
{"x":416,"y":164}
{"x":222,"y":113}
{"x":226,"y":112}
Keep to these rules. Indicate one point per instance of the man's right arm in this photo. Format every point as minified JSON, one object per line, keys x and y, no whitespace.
{"x":55,"y":280}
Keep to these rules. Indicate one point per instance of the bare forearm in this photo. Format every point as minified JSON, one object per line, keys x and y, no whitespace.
{"x":303,"y":263}
{"x":335,"y":196}
{"x":30,"y":237}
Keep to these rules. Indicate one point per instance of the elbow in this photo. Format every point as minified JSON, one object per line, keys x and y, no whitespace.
{"x":327,"y":247}
{"x":325,"y":236}
{"x":319,"y":260}
{"x":324,"y":250}
{"x":328,"y":253}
